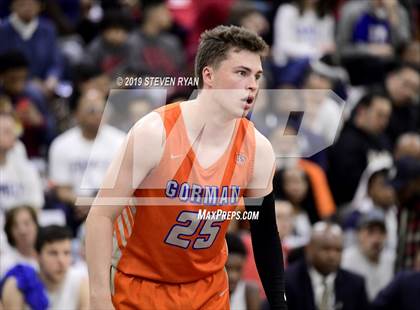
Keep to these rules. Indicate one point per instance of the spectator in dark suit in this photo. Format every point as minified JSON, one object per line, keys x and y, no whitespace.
{"x":318,"y":282}
{"x":402,"y":293}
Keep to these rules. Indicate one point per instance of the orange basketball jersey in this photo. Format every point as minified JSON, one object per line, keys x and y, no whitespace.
{"x":161,"y":238}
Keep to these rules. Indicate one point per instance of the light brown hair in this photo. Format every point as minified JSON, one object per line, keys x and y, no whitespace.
{"x":217,"y":42}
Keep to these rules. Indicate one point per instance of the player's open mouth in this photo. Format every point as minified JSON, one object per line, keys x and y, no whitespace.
{"x":248,"y":102}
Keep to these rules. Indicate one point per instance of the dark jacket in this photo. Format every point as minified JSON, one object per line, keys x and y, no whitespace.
{"x":402,"y":293}
{"x":348,"y":159}
{"x":350,"y":292}
{"x":41,"y":50}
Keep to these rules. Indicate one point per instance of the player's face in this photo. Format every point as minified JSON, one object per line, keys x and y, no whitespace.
{"x":235,"y":81}
{"x":234,"y":266}
{"x":55,"y":259}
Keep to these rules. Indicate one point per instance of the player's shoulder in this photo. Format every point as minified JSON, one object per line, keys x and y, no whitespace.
{"x":263,"y":145}
{"x":149,"y":128}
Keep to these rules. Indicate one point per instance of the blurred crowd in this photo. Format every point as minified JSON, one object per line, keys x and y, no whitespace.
{"x":342,"y":113}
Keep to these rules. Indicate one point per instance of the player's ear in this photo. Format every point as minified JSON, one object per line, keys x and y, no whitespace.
{"x":208,"y":75}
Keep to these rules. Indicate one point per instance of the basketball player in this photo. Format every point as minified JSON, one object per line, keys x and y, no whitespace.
{"x":201,"y":154}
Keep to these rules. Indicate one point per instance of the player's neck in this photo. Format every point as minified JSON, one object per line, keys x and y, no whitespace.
{"x":212,"y":114}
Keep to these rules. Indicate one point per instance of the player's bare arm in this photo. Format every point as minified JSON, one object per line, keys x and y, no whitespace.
{"x":261,"y":183}
{"x":145,"y":141}
{"x":84,"y":295}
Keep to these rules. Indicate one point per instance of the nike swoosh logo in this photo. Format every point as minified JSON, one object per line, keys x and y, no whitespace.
{"x":175,"y":156}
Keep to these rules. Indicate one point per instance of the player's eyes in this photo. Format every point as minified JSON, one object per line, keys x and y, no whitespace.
{"x":242,"y":73}
{"x":258,"y":76}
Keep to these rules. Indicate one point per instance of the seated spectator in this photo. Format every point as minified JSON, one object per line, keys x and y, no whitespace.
{"x":407,"y":186}
{"x":204,"y":15}
{"x":318,"y":282}
{"x":368,"y":257}
{"x":361,"y":140}
{"x":26,"y":32}
{"x":410,"y":53}
{"x":243,"y":294}
{"x":323,"y":113}
{"x":88,"y":77}
{"x":112,"y":49}
{"x":285,"y":219}
{"x":20,"y":183}
{"x":402,"y":86}
{"x":88,"y":25}
{"x":329,"y":67}
{"x":29,"y":104}
{"x":368,"y":34}
{"x":127,"y":107}
{"x":373,"y":193}
{"x":80,"y":156}
{"x":294,"y":188}
{"x":292,"y":184}
{"x":408,"y":145}
{"x":157,"y":53}
{"x":402,"y":293}
{"x":21,"y":227}
{"x":288,"y":155}
{"x":417,"y":261}
{"x":245,"y":14}
{"x":56,"y":286}
{"x":303,"y":31}
{"x":18,"y":149}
